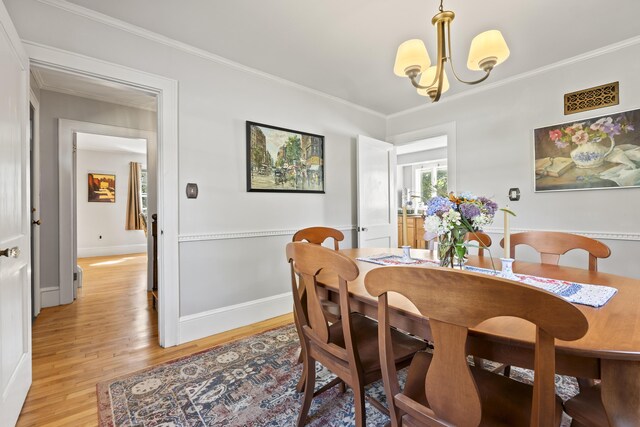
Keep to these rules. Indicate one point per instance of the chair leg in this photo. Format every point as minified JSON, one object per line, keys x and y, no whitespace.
{"x":358,"y":403}
{"x":310,"y":383}
{"x":303,"y":375}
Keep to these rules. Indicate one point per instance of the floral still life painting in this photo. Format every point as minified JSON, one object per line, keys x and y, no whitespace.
{"x":602,"y":152}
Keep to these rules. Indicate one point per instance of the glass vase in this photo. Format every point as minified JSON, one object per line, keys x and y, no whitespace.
{"x":451,"y":249}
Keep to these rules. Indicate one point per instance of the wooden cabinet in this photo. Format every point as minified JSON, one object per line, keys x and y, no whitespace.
{"x":415,"y":232}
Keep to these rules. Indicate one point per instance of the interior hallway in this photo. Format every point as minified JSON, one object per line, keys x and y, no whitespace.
{"x":110,"y":330}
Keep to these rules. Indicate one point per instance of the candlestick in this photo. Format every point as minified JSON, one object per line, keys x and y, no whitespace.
{"x":507,"y":236}
{"x":405,"y":238}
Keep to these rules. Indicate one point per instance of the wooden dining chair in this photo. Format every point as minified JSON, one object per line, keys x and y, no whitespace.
{"x":484,"y":241}
{"x":552,"y":244}
{"x":349,"y":347}
{"x":317,"y":236}
{"x":441,"y":388}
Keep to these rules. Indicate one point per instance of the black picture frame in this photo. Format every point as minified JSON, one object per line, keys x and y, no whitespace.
{"x":281,"y":160}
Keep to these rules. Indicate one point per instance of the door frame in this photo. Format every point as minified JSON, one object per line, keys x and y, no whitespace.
{"x":35,"y":195}
{"x":166,"y":91}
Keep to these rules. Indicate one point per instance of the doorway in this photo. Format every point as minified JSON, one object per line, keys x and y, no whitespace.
{"x":423,"y":171}
{"x":112,"y":199}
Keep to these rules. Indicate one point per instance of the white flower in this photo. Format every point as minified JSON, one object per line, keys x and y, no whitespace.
{"x":481,"y":221}
{"x":451,"y":219}
{"x":433,"y":224}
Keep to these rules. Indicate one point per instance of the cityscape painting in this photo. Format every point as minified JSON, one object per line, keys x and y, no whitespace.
{"x":284,"y":160}
{"x":102,"y":188}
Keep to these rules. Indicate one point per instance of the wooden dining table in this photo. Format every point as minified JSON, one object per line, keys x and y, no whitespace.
{"x":610,"y":350}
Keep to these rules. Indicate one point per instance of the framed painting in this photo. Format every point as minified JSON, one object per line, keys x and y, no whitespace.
{"x":598,"y":153}
{"x":284,"y":160}
{"x":102,"y":188}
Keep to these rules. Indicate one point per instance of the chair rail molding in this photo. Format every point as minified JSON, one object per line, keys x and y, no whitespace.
{"x":248,"y":234}
{"x":601,"y":235}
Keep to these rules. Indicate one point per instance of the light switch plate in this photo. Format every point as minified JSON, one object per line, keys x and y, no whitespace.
{"x":514,"y":194}
{"x":192,"y":190}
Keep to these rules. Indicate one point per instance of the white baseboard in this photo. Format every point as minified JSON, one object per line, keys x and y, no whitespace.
{"x":50,"y":296}
{"x":211,"y":322}
{"x":111,"y":250}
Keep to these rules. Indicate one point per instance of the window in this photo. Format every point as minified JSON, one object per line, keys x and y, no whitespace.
{"x":143,"y":191}
{"x":431,"y":179}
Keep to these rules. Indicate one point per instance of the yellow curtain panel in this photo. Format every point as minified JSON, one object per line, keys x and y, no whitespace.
{"x":134,"y":198}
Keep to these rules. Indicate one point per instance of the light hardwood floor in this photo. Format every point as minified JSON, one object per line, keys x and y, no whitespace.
{"x":110,"y":330}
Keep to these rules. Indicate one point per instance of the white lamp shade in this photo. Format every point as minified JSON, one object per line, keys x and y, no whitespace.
{"x":486,"y":45}
{"x":428,"y":76}
{"x":411,"y":53}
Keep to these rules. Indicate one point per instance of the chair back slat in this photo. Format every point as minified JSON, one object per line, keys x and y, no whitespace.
{"x":456,"y":300}
{"x":317,"y":236}
{"x":552,"y":244}
{"x":449,"y":371}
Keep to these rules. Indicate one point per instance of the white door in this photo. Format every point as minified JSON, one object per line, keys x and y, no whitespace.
{"x":377,"y":215}
{"x":15,"y":224}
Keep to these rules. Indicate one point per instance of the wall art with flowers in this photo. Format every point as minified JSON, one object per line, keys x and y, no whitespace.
{"x":601,"y":152}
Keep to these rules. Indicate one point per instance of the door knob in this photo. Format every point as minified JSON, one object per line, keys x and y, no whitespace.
{"x":37,"y":222}
{"x":10,"y":252}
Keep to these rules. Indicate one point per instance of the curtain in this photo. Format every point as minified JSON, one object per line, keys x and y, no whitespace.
{"x":134,"y":198}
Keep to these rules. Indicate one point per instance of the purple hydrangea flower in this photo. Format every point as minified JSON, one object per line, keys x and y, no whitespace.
{"x":469,"y":210}
{"x":489,"y":205}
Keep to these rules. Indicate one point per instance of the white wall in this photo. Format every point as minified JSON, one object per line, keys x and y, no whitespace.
{"x":232,"y":242}
{"x":106,"y":220}
{"x":494,"y":133}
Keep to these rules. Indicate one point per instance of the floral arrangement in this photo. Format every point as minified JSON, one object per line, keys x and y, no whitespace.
{"x":583,"y":132}
{"x":451,"y":217}
{"x":444,"y":214}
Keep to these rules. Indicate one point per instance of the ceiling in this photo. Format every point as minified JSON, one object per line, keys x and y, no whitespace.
{"x":88,"y":87}
{"x":113,"y":144}
{"x":347,"y":48}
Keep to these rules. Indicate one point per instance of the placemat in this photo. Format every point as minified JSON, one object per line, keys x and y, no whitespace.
{"x":389,"y":259}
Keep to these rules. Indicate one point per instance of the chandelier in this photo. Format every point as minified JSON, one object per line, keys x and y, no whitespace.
{"x":487,"y":50}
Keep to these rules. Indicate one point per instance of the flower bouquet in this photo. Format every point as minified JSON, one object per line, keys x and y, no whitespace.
{"x":451,"y":217}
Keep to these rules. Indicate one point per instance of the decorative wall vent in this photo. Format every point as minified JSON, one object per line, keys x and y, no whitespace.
{"x":592,"y":98}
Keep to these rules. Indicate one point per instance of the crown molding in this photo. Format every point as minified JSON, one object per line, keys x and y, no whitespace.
{"x":574,"y":59}
{"x":247,"y":234}
{"x":600,"y":235}
{"x":185,"y":47}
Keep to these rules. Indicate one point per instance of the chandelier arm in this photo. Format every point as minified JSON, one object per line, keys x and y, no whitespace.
{"x":450,"y":58}
{"x":417,"y":85}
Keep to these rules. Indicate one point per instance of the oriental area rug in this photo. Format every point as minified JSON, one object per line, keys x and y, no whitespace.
{"x":250,"y":382}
